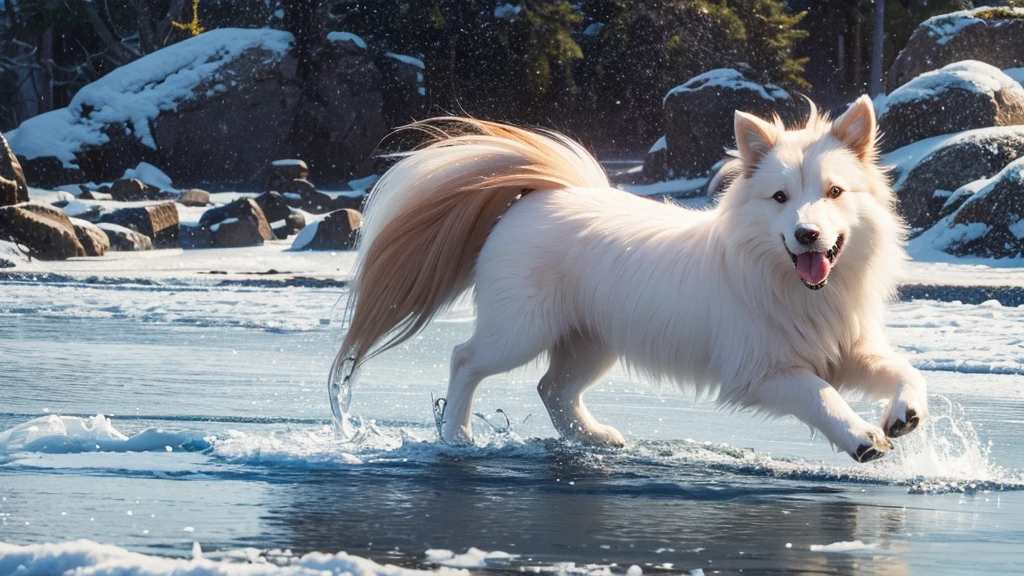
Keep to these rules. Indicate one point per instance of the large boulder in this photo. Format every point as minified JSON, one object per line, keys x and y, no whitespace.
{"x":158,"y":222}
{"x":953,"y":162}
{"x":699,"y":119}
{"x":992,"y":35}
{"x":336,"y":231}
{"x":13,"y":189}
{"x":93,"y":239}
{"x":236,"y":224}
{"x":187,"y":108}
{"x":45,"y":231}
{"x":990,"y":223}
{"x":961,"y":96}
{"x":124,"y":239}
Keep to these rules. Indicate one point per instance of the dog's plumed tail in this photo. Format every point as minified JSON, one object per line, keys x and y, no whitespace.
{"x":428,"y":217}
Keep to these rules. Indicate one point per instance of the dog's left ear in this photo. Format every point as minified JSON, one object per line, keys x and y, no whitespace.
{"x":857,"y":129}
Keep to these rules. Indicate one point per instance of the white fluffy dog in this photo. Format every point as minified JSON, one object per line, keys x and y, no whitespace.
{"x":774,"y":298}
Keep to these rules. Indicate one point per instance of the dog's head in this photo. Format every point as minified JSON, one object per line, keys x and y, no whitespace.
{"x":813,"y":198}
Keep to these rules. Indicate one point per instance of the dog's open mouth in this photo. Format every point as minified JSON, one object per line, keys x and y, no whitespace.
{"x":814,"y":267}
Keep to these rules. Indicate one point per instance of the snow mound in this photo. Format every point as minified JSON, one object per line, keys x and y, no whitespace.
{"x":149,"y":174}
{"x":55,"y":434}
{"x":730,"y":79}
{"x":135,"y":94}
{"x":88,"y":557}
{"x":969,"y":75}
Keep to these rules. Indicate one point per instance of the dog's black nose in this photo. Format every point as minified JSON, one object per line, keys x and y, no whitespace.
{"x":806,"y":236}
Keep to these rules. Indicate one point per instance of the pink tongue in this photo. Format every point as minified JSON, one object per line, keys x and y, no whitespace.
{"x":813,"y":267}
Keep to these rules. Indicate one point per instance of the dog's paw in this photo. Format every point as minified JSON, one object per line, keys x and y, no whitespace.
{"x":602,"y":436}
{"x":903,"y":416}
{"x":873,"y":445}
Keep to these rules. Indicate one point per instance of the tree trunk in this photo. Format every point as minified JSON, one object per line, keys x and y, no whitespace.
{"x":877,"y":48}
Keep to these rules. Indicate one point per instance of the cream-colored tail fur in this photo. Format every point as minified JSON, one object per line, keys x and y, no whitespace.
{"x":429,"y":215}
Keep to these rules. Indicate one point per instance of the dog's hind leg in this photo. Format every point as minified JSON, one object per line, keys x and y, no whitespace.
{"x":490,"y":351}
{"x":818,"y":404}
{"x":577,"y":362}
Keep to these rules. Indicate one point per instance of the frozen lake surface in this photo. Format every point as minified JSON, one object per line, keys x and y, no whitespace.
{"x":218,"y":434}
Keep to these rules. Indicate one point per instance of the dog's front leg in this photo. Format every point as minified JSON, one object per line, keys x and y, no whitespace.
{"x":818,"y":404}
{"x":883,"y":374}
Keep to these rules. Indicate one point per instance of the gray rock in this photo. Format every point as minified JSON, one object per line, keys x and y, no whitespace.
{"x":699,"y":118}
{"x":195,"y":197}
{"x":93,"y":239}
{"x":963,"y":159}
{"x":991,"y":222}
{"x":134,"y":190}
{"x":158,"y":222}
{"x":336,"y":231}
{"x":961,"y":96}
{"x":45,"y":231}
{"x":125,"y":239}
{"x":236,"y":224}
{"x":13,"y":189}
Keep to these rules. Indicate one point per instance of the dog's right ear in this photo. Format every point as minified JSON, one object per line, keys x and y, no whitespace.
{"x":754,"y":139}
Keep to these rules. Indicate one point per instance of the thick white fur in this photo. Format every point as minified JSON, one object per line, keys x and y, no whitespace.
{"x":706,"y":299}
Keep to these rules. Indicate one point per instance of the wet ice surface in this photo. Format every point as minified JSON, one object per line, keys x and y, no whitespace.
{"x":219,"y":434}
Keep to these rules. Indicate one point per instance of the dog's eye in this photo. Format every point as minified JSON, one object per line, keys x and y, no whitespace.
{"x":780,"y":197}
{"x":834,"y":192}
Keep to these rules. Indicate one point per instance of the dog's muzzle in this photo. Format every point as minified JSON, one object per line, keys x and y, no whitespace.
{"x":814,"y":267}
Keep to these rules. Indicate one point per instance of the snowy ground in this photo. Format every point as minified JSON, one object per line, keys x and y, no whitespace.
{"x":210,"y":366}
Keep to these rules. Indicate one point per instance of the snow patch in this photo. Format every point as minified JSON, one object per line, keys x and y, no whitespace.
{"x":472,"y":558}
{"x":1017,"y":229}
{"x":842,"y":546}
{"x":507,"y":11}
{"x":151,"y":175}
{"x":947,"y":26}
{"x":305,"y":236}
{"x":1016,"y":73}
{"x":347,"y":37}
{"x":88,"y":557}
{"x":135,"y":94}
{"x":407,"y":60}
{"x":77,"y":208}
{"x":668,"y":187}
{"x":661,"y":144}
{"x":223,"y":222}
{"x":53,"y":434}
{"x":594,"y":29}
{"x":730,"y":79}
{"x":290,"y":162}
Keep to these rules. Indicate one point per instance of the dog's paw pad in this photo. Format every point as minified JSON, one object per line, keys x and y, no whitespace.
{"x":900,"y":427}
{"x":867,"y":453}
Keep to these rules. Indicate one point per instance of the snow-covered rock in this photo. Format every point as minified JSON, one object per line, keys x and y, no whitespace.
{"x":939,"y":166}
{"x":961,"y":96}
{"x":990,"y":223}
{"x":992,"y":35}
{"x":699,"y":119}
{"x":336,"y":231}
{"x":236,"y":224}
{"x":218,"y":107}
{"x":45,"y":231}
{"x":93,"y":239}
{"x":123,"y":239}
{"x":158,"y":222}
